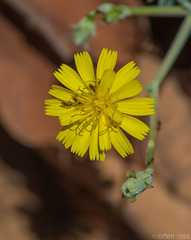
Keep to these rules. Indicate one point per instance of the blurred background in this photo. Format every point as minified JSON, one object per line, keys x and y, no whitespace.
{"x":46,"y":192}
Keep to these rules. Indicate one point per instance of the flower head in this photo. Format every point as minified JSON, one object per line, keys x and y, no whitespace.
{"x":95,"y":111}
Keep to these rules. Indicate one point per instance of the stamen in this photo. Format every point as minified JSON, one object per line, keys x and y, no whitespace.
{"x":92,"y":108}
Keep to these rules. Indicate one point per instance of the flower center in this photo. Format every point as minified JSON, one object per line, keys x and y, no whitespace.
{"x":100,"y":104}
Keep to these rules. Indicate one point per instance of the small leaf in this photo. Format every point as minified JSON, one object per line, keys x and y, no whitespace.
{"x":112,"y":13}
{"x":84,"y":29}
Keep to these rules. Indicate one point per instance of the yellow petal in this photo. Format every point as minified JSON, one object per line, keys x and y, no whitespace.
{"x":61,"y":93}
{"x":114,"y":114}
{"x":105,"y":83}
{"x":69,"y":139}
{"x":124,"y":76}
{"x":62,"y":134}
{"x":131,"y":89}
{"x":53,"y":102}
{"x":69,"y":78}
{"x":137,"y":106}
{"x":120,"y":142}
{"x":84,"y":66}
{"x":68,"y":135}
{"x":53,"y":108}
{"x":68,"y":116}
{"x":134,"y":127}
{"x":107,"y":61}
{"x":102,"y":156}
{"x":81,"y":142}
{"x":104,"y":139}
{"x":93,"y":150}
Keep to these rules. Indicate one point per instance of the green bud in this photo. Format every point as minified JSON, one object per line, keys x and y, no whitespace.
{"x":137,"y":183}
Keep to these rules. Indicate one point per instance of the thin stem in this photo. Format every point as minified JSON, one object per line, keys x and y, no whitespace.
{"x":153,"y":87}
{"x":185,"y":3}
{"x":153,"y":93}
{"x":157,"y":11}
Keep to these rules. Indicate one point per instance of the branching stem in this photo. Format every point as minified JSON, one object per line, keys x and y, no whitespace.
{"x":153,"y":87}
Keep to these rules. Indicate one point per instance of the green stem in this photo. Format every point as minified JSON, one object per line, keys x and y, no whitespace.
{"x":153,"y":87}
{"x":157,"y":11}
{"x":185,"y":3}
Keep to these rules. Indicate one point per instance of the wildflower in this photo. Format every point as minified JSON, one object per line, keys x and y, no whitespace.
{"x":95,"y":111}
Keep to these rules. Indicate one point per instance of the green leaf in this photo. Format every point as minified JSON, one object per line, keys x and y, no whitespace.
{"x":84,"y":29}
{"x":113,"y":13}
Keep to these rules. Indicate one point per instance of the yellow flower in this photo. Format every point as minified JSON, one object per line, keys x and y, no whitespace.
{"x":95,"y":111}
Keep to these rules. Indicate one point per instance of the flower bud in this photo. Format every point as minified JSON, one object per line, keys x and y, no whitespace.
{"x":137,"y":183}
